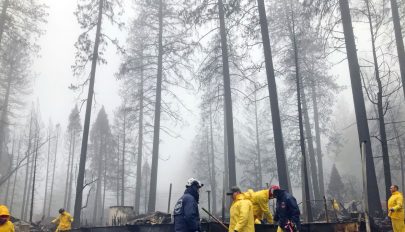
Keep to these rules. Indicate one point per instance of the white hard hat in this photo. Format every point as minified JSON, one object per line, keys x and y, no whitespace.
{"x":192,"y":181}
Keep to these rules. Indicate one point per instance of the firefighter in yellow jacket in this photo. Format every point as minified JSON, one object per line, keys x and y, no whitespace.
{"x":260,"y":202}
{"x":65,"y":221}
{"x":396,"y":210}
{"x":5,"y":224}
{"x":241,"y":212}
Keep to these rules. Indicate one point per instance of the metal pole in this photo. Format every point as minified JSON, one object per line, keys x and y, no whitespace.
{"x":170,"y":198}
{"x":216,"y":219}
{"x":365,"y":194}
{"x":326,"y":209}
{"x":209,"y":200}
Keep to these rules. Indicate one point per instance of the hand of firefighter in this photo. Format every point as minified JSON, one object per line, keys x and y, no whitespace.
{"x":392,"y":209}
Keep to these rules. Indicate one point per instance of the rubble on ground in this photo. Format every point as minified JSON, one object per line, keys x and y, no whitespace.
{"x":151,"y":218}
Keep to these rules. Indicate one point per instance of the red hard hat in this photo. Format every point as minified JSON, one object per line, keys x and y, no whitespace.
{"x":271,"y":190}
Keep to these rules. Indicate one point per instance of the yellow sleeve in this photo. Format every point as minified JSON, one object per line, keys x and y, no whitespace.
{"x":56,"y":220}
{"x":264,"y":206}
{"x":245,"y":208}
{"x":399,"y":202}
{"x":70,"y":218}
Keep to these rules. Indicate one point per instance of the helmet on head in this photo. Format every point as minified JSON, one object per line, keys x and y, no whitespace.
{"x":272,"y":189}
{"x":61,"y":210}
{"x":4,"y":211}
{"x":192,"y":181}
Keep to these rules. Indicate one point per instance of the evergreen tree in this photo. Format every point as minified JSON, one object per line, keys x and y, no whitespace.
{"x":102,"y":158}
{"x":336,"y":188}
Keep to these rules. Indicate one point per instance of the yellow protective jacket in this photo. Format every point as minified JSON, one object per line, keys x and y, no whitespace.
{"x":260,"y":202}
{"x":8,"y":226}
{"x":241,"y":215}
{"x":396,"y":202}
{"x":65,"y":221}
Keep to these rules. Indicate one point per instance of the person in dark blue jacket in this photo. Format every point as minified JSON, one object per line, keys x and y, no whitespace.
{"x":186,"y":215}
{"x":287,"y":214}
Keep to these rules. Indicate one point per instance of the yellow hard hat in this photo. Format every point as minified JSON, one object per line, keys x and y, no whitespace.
{"x":4,"y":211}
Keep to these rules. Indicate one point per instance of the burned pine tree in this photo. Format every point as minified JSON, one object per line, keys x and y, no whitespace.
{"x":361,"y":115}
{"x":165,"y":57}
{"x":137,"y":74}
{"x":275,"y":112}
{"x":399,"y":40}
{"x":201,"y":14}
{"x":90,"y":16}
{"x":55,"y":153}
{"x":381,"y":84}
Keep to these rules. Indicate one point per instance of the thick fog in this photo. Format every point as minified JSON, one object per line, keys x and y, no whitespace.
{"x":44,"y":109}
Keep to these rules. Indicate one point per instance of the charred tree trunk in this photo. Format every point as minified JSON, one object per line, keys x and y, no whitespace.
{"x":69,"y":198}
{"x":97,"y":197}
{"x":282,"y":168}
{"x":27,"y":173}
{"x":83,"y":153}
{"x":11,"y":166}
{"x":140,"y":144}
{"x":123,"y":163}
{"x":118,"y":171}
{"x":360,"y":109}
{"x":381,"y":120}
{"x":15,"y":177}
{"x":65,"y":200}
{"x":318,"y":141}
{"x":213,"y":171}
{"x":311,"y":150}
{"x":147,"y":183}
{"x":156,"y":129}
{"x":34,"y":177}
{"x":228,"y":97}
{"x":259,"y":158}
{"x":53,"y":171}
{"x":301,"y":126}
{"x":47,"y":173}
{"x":226,"y":169}
{"x":399,"y":40}
{"x":104,"y":188}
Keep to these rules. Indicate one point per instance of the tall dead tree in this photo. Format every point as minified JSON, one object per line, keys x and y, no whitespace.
{"x":83,"y":153}
{"x":380,"y":105}
{"x":275,"y":112}
{"x":13,"y":193}
{"x":156,"y":128}
{"x":318,"y":140}
{"x":53,"y":169}
{"x":399,"y":40}
{"x":47,"y":171}
{"x":360,"y":109}
{"x":27,"y":153}
{"x":140,"y":142}
{"x":227,"y":97}
{"x":90,"y":16}
{"x":301,"y":126}
{"x":34,"y":174}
